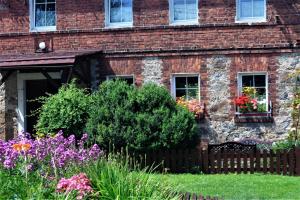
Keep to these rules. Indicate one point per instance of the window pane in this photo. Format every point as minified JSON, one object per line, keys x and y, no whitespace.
{"x":180,"y":82}
{"x":261,"y":94}
{"x":247,"y":81}
{"x":126,"y":10}
{"x":260,"y":80}
{"x":258,"y":8}
{"x":40,"y":1}
{"x":51,"y":1}
{"x":128,"y":80}
{"x":50,"y":15}
{"x":246,"y":8}
{"x":192,"y":82}
{"x":191,"y":9}
{"x":181,"y":93}
{"x":192,"y":94}
{"x":115,"y":11}
{"x":40,"y":15}
{"x":179,"y":10}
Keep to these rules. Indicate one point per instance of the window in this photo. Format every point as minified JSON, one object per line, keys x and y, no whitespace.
{"x":127,"y":78}
{"x":186,"y":86}
{"x":258,"y":85}
{"x":251,"y":10}
{"x":43,"y":15}
{"x":184,"y":11}
{"x":119,"y":13}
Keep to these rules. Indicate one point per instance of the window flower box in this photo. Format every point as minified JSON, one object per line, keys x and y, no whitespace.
{"x":254,"y":117}
{"x":193,"y":106}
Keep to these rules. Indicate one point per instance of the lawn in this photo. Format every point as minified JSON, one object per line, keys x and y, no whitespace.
{"x":245,"y":186}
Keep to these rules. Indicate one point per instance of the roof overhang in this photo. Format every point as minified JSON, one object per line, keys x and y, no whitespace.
{"x":42,"y":60}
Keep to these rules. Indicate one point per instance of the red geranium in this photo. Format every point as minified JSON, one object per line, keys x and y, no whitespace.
{"x":242,"y":100}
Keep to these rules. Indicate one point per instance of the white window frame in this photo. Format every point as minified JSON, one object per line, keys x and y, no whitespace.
{"x":173,"y":83}
{"x":239,"y":19}
{"x":34,"y":28}
{"x":21,"y":86}
{"x":240,"y":85}
{"x":110,"y":77}
{"x":182,"y":22}
{"x":108,"y":24}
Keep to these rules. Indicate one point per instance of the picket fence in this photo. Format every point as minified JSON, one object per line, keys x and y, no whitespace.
{"x":224,"y":161}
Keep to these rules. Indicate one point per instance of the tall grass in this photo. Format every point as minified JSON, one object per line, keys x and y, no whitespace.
{"x":111,"y":179}
{"x":114,"y":180}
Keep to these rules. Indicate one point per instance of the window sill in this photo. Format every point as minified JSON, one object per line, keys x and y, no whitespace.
{"x":184,"y":23}
{"x":258,"y":117}
{"x":251,"y":21}
{"x":118,"y":26}
{"x":43,"y":29}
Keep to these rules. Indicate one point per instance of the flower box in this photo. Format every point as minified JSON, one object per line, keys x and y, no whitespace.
{"x":193,"y":106}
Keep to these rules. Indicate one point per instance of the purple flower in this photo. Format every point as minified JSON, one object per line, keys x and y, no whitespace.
{"x":57,"y":152}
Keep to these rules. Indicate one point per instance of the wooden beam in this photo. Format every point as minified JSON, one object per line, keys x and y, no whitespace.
{"x":52,"y":82}
{"x":5,"y":77}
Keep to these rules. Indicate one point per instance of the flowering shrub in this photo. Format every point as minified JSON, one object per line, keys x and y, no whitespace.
{"x":248,"y":102}
{"x":52,"y":152}
{"x":192,"y":105}
{"x":78,"y":183}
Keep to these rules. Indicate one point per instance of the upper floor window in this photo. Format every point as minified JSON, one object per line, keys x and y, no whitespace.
{"x":251,"y":10}
{"x":43,"y":15}
{"x":184,"y":11}
{"x":119,"y":13}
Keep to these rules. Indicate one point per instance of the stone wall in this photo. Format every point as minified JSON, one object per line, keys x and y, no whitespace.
{"x":8,"y":106}
{"x":218,"y":88}
{"x":152,"y":70}
{"x":221,"y":126}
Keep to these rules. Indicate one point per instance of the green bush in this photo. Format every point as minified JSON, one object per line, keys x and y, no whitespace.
{"x":140,"y":119}
{"x":67,"y":110}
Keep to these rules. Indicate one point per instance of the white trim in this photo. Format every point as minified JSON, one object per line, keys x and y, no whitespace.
{"x":108,"y":24}
{"x":173,"y":83}
{"x":21,"y":86}
{"x":33,"y":28}
{"x":241,"y":74}
{"x":182,"y":22}
{"x":239,"y":19}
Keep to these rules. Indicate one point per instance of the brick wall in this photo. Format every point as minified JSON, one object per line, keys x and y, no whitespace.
{"x":80,"y":25}
{"x":82,"y":14}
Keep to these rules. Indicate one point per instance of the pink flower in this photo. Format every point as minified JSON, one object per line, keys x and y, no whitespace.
{"x":79,"y":183}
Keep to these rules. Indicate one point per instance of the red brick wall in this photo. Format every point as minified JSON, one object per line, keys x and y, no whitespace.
{"x":80,"y":25}
{"x":82,"y":14}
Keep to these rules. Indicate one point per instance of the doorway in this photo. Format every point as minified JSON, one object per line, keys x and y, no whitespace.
{"x":31,"y":86}
{"x":34,"y":90}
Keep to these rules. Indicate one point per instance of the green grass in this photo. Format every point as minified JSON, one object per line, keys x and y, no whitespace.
{"x":244,"y":186}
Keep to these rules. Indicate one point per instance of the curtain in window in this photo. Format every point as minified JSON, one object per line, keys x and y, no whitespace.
{"x":258,"y":8}
{"x":185,"y":9}
{"x":252,"y":8}
{"x":45,"y":14}
{"x":120,"y":11}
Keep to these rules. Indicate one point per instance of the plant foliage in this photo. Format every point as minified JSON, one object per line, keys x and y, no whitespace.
{"x":67,"y":110}
{"x":141,"y":119}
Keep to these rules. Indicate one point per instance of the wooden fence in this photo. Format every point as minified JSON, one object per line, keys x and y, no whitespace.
{"x":225,"y":161}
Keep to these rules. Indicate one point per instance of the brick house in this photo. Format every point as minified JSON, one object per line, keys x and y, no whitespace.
{"x":206,"y":49}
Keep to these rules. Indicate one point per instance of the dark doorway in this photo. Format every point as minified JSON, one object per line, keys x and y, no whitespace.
{"x":34,"y":90}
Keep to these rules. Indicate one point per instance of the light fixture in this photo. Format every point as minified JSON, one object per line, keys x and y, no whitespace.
{"x":42,"y":45}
